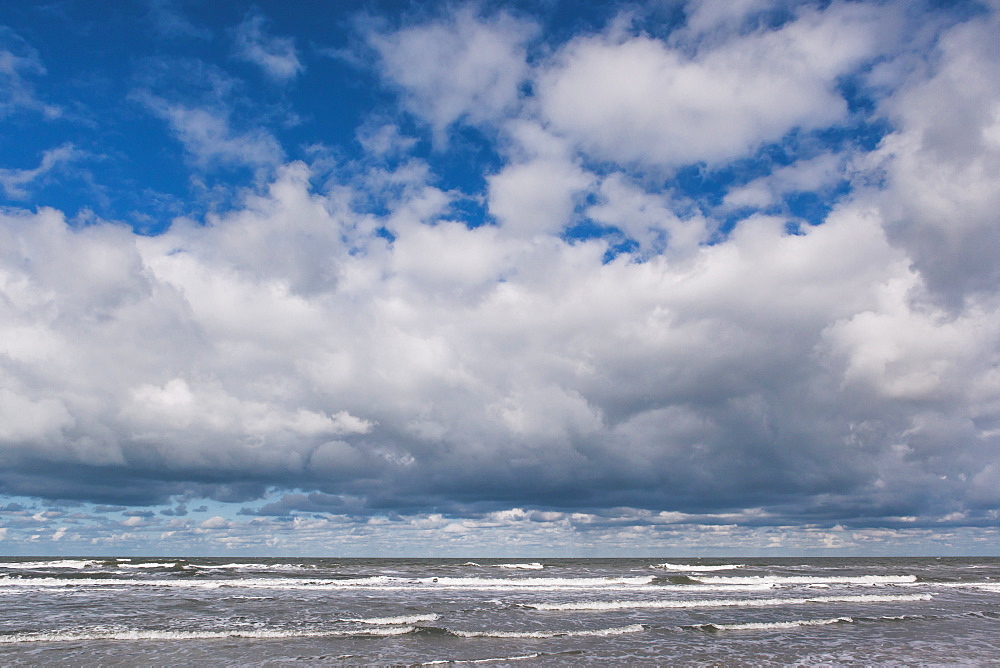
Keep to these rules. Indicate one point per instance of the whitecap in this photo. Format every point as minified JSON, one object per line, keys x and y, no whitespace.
{"x":725,"y":602}
{"x":402,"y":619}
{"x":139,"y":634}
{"x":618,"y":630}
{"x":767,"y":626}
{"x":533,"y":566}
{"x":449,"y":662}
{"x":543,"y":583}
{"x":380,"y":583}
{"x":695,"y":568}
{"x":863,"y":580}
{"x":56,"y":563}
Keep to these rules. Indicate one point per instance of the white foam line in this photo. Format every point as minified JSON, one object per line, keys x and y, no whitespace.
{"x":766,"y":626}
{"x":618,"y":630}
{"x":694,"y":568}
{"x":810,"y":579}
{"x":727,"y":602}
{"x":440,"y":662}
{"x":134,"y":634}
{"x":382,"y":583}
{"x":60,"y":563}
{"x":403,"y":619}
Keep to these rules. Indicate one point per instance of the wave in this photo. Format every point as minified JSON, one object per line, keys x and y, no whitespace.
{"x":57,"y":563}
{"x":725,"y":602}
{"x":449,"y":662}
{"x":381,"y":583}
{"x":550,"y":583}
{"x":695,"y":568}
{"x":764,"y":626}
{"x":254,"y":567}
{"x":614,"y":631}
{"x":987,"y":586}
{"x":867,"y":580}
{"x":403,"y":619}
{"x":138,"y":634}
{"x":531,"y":566}
{"x":767,"y":626}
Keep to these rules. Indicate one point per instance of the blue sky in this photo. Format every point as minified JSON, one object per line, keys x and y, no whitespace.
{"x":511,"y":278}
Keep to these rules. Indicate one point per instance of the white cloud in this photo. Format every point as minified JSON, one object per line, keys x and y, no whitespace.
{"x":814,"y":175}
{"x":464,"y":66}
{"x":169,"y":21}
{"x":536,"y":197}
{"x":705,"y":16}
{"x":276,"y":56}
{"x":648,"y":218}
{"x":18,"y":61}
{"x":290,"y":343}
{"x":209,"y":139}
{"x":14,"y":181}
{"x":635,"y":99}
{"x":941,"y":194}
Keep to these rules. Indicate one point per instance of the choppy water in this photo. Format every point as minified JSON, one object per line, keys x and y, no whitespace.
{"x":902,"y":612}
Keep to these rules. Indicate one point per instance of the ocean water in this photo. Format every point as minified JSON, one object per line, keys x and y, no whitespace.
{"x":552,"y":612}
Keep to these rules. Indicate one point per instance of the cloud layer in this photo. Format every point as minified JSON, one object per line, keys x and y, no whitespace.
{"x":606,"y":351}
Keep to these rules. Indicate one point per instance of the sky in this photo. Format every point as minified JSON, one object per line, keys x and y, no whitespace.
{"x":548,"y":278}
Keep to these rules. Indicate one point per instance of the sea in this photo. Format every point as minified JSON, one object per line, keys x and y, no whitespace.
{"x":497,"y":612}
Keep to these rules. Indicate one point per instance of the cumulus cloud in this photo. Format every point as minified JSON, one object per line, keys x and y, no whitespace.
{"x":814,"y":175}
{"x":463,"y":66}
{"x":634,"y":98}
{"x":941,"y":193}
{"x":357,"y":357}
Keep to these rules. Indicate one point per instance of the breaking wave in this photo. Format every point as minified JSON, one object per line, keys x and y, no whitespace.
{"x":767,"y":626}
{"x":725,"y":602}
{"x":61,"y":563}
{"x":865,"y":580}
{"x":382,"y":583}
{"x":695,"y":568}
{"x":403,"y":619}
{"x":614,"y":631}
{"x":136,"y":634}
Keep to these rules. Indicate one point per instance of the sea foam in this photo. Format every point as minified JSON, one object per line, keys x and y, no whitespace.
{"x":768,"y":626}
{"x":864,"y":580}
{"x":403,"y":619}
{"x":135,"y":634}
{"x":695,"y":568}
{"x":725,"y":602}
{"x":614,"y":631}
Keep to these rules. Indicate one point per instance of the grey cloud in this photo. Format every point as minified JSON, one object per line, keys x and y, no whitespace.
{"x":942,"y":198}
